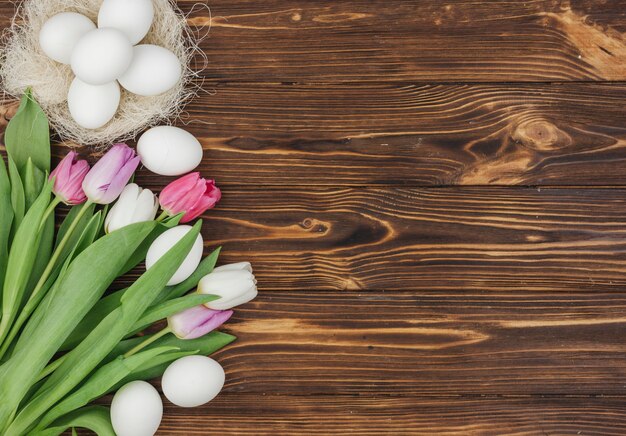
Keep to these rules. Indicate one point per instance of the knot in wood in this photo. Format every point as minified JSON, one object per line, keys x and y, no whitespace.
{"x":541,"y":135}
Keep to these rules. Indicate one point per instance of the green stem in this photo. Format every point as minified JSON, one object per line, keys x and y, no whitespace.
{"x":53,"y":204}
{"x":162,"y":216}
{"x":54,"y":365}
{"x":35,"y":296}
{"x":147,"y":342}
{"x":59,"y":249}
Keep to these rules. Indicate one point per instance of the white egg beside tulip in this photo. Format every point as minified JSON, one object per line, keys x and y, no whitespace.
{"x":92,"y":106}
{"x":192,"y":381}
{"x":169,"y":151}
{"x":136,"y":410}
{"x":59,"y":35}
{"x":167,"y":240}
{"x":153,"y":71}
{"x":132,"y":17}
{"x":101,"y":56}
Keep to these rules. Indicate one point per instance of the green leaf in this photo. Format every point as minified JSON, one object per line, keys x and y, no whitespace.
{"x":74,"y":432}
{"x":21,"y":260}
{"x":171,"y":307}
{"x":67,"y":222}
{"x":206,"y":345}
{"x":33,"y":182}
{"x":18,"y":202}
{"x":89,"y":234}
{"x":112,"y":301}
{"x":44,"y":251}
{"x":94,"y":418}
{"x":74,"y":294}
{"x":86,"y":239}
{"x":99,"y":343}
{"x":28,"y":135}
{"x":102,"y":308}
{"x":6,"y":219}
{"x":101,"y":381}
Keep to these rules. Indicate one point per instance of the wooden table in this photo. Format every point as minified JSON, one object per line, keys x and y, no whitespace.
{"x":433,"y":197}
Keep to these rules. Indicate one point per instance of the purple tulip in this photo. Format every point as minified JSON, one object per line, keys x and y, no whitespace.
{"x":68,"y":179}
{"x":106,"y":180}
{"x":197,"y":321}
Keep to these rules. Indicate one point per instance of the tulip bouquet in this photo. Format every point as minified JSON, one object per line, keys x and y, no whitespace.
{"x":64,"y":340}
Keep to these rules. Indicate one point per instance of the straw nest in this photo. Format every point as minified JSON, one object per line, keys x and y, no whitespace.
{"x":23,"y":64}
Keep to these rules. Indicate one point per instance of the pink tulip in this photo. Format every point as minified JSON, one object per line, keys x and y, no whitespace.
{"x":68,"y":179}
{"x":197,"y":321}
{"x":106,"y":180}
{"x":189,"y":194}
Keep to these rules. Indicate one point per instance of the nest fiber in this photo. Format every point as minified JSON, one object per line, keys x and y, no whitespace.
{"x":23,"y":64}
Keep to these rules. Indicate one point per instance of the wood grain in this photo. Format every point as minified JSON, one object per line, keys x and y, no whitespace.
{"x":390,"y":135}
{"x":377,"y":159}
{"x":522,"y":239}
{"x":399,"y":40}
{"x":413,"y":135}
{"x":428,"y":344}
{"x":326,"y":415}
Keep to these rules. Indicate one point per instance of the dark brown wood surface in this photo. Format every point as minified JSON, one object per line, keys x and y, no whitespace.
{"x":433,"y":196}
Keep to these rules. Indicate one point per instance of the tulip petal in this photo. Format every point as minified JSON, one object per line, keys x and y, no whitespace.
{"x":197,"y":321}
{"x":120,"y":180}
{"x":235,"y":267}
{"x":220,"y":317}
{"x":146,"y":207}
{"x":121,"y":213}
{"x":233,"y":286}
{"x":243,"y":298}
{"x":104,"y":183}
{"x":68,"y":177}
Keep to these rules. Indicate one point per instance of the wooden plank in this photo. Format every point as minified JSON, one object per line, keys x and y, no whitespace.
{"x":359,"y":40}
{"x":423,"y":344}
{"x":479,"y":239}
{"x":325,"y":415}
{"x":413,"y":135}
{"x":398,"y":40}
{"x":386,"y":135}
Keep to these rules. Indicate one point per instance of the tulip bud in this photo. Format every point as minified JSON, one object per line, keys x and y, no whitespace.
{"x":135,"y":205}
{"x":197,"y":321}
{"x":234,"y":284}
{"x":104,"y":183}
{"x":68,"y":179}
{"x":189,"y":194}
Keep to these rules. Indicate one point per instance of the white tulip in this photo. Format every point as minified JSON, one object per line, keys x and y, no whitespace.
{"x":167,"y":240}
{"x":134,"y":205}
{"x":234,"y":283}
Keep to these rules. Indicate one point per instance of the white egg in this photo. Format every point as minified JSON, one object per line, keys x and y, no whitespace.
{"x":192,"y":381}
{"x":132,"y":17}
{"x":169,"y":151}
{"x":59,"y":35}
{"x":153,"y":71}
{"x":167,"y":240}
{"x":92,"y":106}
{"x":136,"y":410}
{"x":101,"y":56}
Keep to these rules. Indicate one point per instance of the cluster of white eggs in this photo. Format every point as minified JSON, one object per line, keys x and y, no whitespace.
{"x":137,"y":409}
{"x":107,"y":56}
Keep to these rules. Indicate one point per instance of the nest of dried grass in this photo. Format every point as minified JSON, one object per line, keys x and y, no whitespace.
{"x":23,"y":64}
